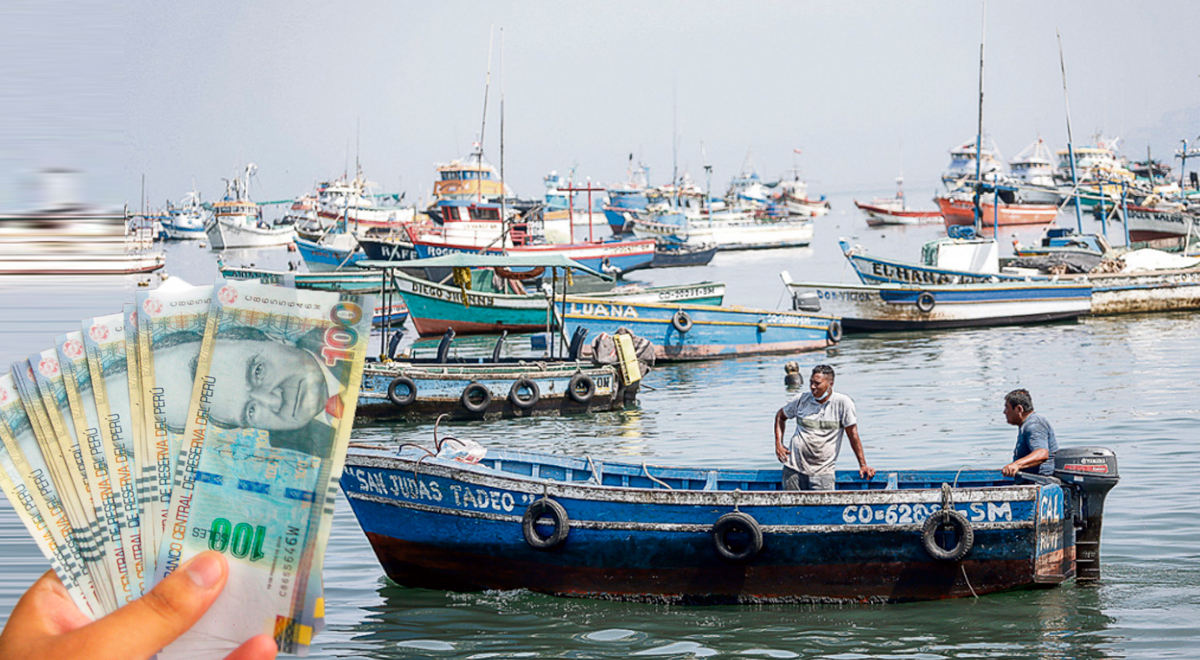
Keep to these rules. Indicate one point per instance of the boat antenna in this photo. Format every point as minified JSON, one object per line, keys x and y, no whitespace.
{"x":487,"y":85}
{"x":503,"y":223}
{"x":979,"y":130}
{"x":1062,"y":65}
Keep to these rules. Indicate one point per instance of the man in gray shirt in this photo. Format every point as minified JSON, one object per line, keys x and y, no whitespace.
{"x":822,"y":417}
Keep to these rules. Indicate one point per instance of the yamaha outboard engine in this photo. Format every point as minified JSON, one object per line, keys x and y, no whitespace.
{"x":1090,"y":472}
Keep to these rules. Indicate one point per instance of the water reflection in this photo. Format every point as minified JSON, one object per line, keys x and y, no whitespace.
{"x":1049,"y":624}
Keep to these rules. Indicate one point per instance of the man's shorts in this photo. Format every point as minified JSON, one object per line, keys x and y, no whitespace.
{"x":793,"y":480}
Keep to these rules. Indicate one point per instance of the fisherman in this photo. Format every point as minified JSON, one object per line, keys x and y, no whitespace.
{"x":822,"y":418}
{"x":1036,"y":444}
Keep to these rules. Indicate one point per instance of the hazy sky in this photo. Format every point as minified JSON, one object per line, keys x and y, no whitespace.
{"x":182,"y":92}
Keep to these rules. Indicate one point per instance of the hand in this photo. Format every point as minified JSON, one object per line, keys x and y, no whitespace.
{"x":1010,"y":470}
{"x":47,"y":624}
{"x":866,"y":471}
{"x":781,"y":452}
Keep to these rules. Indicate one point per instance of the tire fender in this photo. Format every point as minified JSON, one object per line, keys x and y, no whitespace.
{"x":476,"y":390}
{"x":558,"y":519}
{"x":925,"y":302}
{"x":402,"y":384}
{"x":962,"y":528}
{"x":741,"y":522}
{"x":582,"y":388}
{"x":681,"y":321}
{"x":524,"y":402}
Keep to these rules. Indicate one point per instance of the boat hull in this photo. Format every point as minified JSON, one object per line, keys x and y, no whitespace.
{"x":1147,"y":224}
{"x":436,"y":308}
{"x":223,"y":234}
{"x":711,"y":332}
{"x":440,"y":387}
{"x":879,"y":216}
{"x":747,"y":233}
{"x":957,"y":211}
{"x":865,"y":307}
{"x":323,"y":258}
{"x":440,"y":526}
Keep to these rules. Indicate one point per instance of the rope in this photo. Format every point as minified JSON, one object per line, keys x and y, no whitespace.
{"x":968,"y":580}
{"x":654,"y":479}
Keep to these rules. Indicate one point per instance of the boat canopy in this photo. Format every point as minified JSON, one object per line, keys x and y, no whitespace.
{"x":465,"y":260}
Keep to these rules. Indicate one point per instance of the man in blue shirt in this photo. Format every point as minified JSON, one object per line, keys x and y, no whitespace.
{"x":1036,"y":444}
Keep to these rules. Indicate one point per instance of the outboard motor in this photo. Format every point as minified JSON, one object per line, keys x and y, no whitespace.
{"x":1090,"y":472}
{"x":806,"y":301}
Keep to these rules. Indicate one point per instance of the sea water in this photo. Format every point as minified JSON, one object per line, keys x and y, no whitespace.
{"x":924,"y":399}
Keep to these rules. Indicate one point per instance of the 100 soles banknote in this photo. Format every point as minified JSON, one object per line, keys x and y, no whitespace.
{"x":269,"y":418}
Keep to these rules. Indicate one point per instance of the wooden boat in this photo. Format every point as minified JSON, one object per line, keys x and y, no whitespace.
{"x":948,"y":260}
{"x":436,"y":307}
{"x":729,"y":230}
{"x":958,"y":208}
{"x":1149,"y":223}
{"x":866,"y":307}
{"x":883,"y":215}
{"x":689,"y":331}
{"x":593,"y":528}
{"x":504,"y":387}
{"x":237,"y":221}
{"x":893,"y":211}
{"x":677,"y":255}
{"x":333,"y":251}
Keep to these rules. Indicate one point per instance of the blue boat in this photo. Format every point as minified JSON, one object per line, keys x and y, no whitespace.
{"x":586,"y":527}
{"x":332,"y":252}
{"x":681,"y":331}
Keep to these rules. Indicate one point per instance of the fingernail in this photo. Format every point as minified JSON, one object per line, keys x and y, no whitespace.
{"x":205,"y":570}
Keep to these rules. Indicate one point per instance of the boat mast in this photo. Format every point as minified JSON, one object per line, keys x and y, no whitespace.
{"x":503,"y":222}
{"x":1062,"y":65}
{"x":487,"y":85}
{"x":979,"y":131}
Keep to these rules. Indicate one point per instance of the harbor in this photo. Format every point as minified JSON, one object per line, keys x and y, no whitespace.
{"x":554,"y":437}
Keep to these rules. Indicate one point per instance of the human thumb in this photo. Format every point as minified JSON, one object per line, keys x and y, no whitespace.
{"x":143,"y":627}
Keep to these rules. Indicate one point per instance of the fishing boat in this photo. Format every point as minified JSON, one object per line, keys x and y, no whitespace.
{"x":627,"y":199}
{"x":237,"y":221}
{"x":1099,"y":175}
{"x":958,"y":208}
{"x":793,"y":197}
{"x":676,"y":255}
{"x":1033,"y":174}
{"x":186,"y":222}
{"x":491,"y":301}
{"x":463,"y":517}
{"x":960,"y":258}
{"x":498,"y":386}
{"x":688,"y":331}
{"x":728,"y":230}
{"x":335,"y":250}
{"x":964,"y":166}
{"x":884,"y":306}
{"x":1160,"y":221}
{"x":1063,"y":249}
{"x":894,"y":211}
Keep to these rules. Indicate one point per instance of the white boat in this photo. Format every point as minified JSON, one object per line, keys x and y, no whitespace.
{"x":75,"y":241}
{"x":237,"y":221}
{"x":729,"y":230}
{"x":871,"y":307}
{"x":962,"y":167}
{"x":893,"y":211}
{"x":186,"y":222}
{"x":351,"y":201}
{"x":1032,"y":172}
{"x":793,"y":196}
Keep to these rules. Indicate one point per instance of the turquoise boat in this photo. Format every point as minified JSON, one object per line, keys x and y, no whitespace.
{"x":491,"y":304}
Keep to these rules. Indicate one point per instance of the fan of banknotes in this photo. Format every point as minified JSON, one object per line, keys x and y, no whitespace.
{"x":197,"y":418}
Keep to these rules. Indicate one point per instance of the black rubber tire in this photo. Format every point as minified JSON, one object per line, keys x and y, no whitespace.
{"x":405,"y":382}
{"x":966,"y":535}
{"x":834,"y":331}
{"x":744,"y":522}
{"x":470,"y":392}
{"x":558,"y":517}
{"x":584,"y":382}
{"x":925,"y":302}
{"x":681,"y":321}
{"x":514,"y":394}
